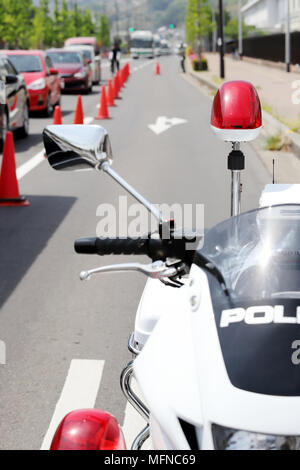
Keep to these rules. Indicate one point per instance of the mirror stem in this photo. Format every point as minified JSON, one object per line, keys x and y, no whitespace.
{"x":151,"y":208}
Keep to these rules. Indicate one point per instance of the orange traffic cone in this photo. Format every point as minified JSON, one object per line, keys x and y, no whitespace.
{"x":57,"y":119}
{"x":79,"y":116}
{"x":122,"y":78}
{"x":9,"y":188}
{"x":157,"y":69}
{"x":116,"y":87}
{"x":103,"y":109}
{"x":118,"y":78}
{"x":110,"y":94}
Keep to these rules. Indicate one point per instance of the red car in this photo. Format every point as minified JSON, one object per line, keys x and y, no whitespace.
{"x":42,"y":79}
{"x":74,"y":68}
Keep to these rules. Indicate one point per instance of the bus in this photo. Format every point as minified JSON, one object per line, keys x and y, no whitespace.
{"x":157,"y":45}
{"x":142,"y":44}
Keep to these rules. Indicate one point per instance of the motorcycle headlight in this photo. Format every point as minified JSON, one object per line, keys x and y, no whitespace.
{"x":37,"y":84}
{"x":234,"y":439}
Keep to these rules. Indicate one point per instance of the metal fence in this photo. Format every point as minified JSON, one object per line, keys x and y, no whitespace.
{"x":272,"y":47}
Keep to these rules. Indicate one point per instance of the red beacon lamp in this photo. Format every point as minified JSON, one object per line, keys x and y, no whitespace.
{"x":236,"y":117}
{"x":88,"y":430}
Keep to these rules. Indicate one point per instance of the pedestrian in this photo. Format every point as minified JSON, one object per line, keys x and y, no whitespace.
{"x":182,"y":55}
{"x":115,"y":58}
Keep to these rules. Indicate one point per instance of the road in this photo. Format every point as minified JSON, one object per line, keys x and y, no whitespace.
{"x":48,"y":318}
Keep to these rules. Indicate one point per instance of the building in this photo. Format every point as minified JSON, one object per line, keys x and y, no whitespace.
{"x":269,"y":15}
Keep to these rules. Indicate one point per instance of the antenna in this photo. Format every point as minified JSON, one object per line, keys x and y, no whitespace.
{"x":273,"y":171}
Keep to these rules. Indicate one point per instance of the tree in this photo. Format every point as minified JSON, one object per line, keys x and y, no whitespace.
{"x":58,"y":33}
{"x":232,"y":29}
{"x":87,"y":25}
{"x":198,"y":23}
{"x":16,"y":18}
{"x":104,"y":31}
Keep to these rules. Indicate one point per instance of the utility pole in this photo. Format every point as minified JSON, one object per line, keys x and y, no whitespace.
{"x":287,"y":36}
{"x":221,"y":39}
{"x":117,"y":16}
{"x":240,"y":29}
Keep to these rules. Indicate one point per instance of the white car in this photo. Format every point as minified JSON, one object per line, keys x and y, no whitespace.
{"x":89,"y":53}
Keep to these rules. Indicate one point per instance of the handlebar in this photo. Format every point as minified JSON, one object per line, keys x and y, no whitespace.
{"x":156,"y":249}
{"x":112,"y":246}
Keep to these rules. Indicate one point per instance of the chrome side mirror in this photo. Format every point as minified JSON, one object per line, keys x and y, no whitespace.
{"x":77,"y":147}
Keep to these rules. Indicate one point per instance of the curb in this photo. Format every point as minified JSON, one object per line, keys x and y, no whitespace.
{"x":271,"y":124}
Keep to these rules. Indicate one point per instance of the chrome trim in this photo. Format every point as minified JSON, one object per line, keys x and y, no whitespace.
{"x":236,"y":186}
{"x":156,"y":270}
{"x":73,"y":147}
{"x":141,"y":438}
{"x":131,"y":397}
{"x":132,"y":345}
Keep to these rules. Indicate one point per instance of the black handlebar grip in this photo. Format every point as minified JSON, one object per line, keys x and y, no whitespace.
{"x":112,"y":246}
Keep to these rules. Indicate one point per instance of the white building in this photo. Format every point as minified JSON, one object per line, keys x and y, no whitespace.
{"x":270,"y":14}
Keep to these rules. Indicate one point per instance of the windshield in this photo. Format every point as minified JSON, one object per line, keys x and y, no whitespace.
{"x":26,"y":63}
{"x":258,"y":253}
{"x":141,"y":43}
{"x":87,"y":54}
{"x":65,"y":57}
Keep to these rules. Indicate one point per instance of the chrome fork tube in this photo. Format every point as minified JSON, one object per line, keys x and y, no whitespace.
{"x":236,"y":192}
{"x":132,"y":398}
{"x":236,"y":163}
{"x":141,"y":438}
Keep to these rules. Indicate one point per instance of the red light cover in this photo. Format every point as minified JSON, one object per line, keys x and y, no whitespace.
{"x":236,"y":106}
{"x":88,"y":430}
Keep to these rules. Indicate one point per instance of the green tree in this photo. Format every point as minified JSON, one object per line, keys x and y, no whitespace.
{"x":87,"y":25}
{"x":58,"y":33}
{"x":198,"y":22}
{"x":66,"y":24}
{"x":104,"y":31}
{"x":16,"y":20}
{"x":42,"y":29}
{"x":76,"y":20}
{"x":232,"y":29}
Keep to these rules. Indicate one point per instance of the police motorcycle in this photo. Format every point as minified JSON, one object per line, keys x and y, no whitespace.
{"x":216,"y":343}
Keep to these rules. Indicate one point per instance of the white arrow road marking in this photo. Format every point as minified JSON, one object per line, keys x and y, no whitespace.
{"x":163,"y":124}
{"x":80,"y":391}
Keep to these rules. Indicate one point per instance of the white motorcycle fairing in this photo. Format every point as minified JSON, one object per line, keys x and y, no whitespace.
{"x":182,"y":375}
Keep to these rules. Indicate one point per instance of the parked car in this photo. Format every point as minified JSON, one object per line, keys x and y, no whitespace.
{"x":42,"y":79}
{"x":93,"y":60}
{"x":14,"y":101}
{"x":75,"y":70}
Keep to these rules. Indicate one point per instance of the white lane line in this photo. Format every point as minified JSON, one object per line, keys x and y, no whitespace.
{"x":80,"y":391}
{"x":30,"y":165}
{"x":133,"y":422}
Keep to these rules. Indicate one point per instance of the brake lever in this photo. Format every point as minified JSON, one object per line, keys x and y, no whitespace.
{"x":157,"y":270}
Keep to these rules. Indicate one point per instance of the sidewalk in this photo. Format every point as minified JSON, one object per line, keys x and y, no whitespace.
{"x":274,"y":86}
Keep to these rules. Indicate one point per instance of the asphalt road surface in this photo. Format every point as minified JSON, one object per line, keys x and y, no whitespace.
{"x":48,"y":318}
